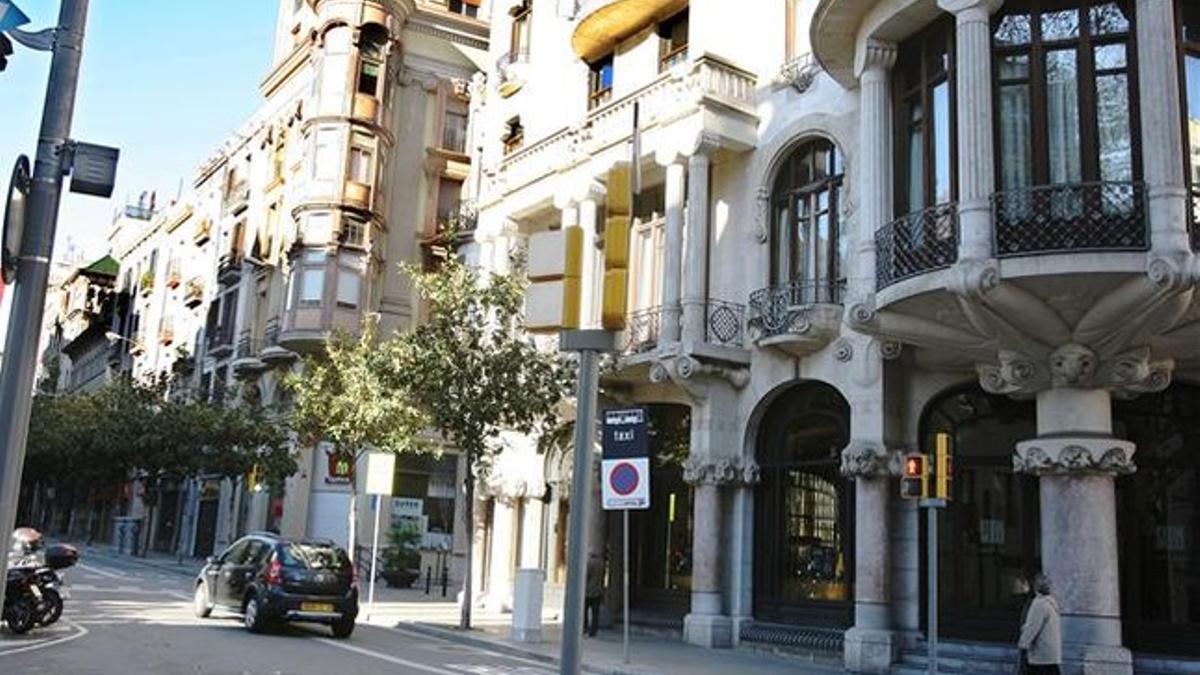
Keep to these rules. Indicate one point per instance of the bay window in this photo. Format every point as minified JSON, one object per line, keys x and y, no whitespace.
{"x":372,"y":45}
{"x":309,"y":278}
{"x":1067,"y":163}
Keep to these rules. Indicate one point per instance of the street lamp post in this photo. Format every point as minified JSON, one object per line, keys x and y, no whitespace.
{"x":33,"y":270}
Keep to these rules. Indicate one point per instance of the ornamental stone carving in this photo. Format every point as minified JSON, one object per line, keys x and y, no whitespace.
{"x":1072,"y":365}
{"x":762,"y":214}
{"x":1126,"y":374}
{"x":720,"y":471}
{"x":1054,"y":456}
{"x":869,"y":459}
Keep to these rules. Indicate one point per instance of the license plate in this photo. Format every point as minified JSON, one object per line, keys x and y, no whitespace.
{"x":316,"y":607}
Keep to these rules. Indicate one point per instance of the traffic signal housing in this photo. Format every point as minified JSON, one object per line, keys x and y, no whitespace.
{"x":616,"y":250}
{"x":572,"y":280}
{"x":914,"y":483}
{"x":945,"y":466}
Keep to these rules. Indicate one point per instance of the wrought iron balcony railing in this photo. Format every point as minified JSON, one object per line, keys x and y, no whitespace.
{"x":915,"y":244}
{"x":800,"y":72}
{"x":724,"y":323}
{"x":1075,"y":217}
{"x":1194,"y":216}
{"x":642,"y":330}
{"x":776,"y":310}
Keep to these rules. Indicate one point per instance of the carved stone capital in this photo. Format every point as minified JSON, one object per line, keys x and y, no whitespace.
{"x":1057,"y":456}
{"x":877,"y":53}
{"x":869,"y":459}
{"x":720,"y":471}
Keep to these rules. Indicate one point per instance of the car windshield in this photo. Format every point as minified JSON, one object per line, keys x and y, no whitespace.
{"x":314,"y":556}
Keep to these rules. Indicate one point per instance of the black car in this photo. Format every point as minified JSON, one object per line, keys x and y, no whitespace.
{"x":266,"y":579}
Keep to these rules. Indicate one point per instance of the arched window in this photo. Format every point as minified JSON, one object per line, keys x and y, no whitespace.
{"x":808,"y":252}
{"x":804,"y":509}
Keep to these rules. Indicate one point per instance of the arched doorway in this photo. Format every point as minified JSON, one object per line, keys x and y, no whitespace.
{"x":989,"y":537}
{"x":1159,"y":521}
{"x":803,"y":534}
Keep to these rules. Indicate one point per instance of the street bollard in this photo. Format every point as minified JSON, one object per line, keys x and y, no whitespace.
{"x":428,"y":578}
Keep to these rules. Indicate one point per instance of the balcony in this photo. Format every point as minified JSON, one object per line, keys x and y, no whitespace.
{"x":229,"y":268}
{"x":237,"y":197}
{"x":203,"y":232}
{"x":271,"y":353}
{"x":220,"y":341}
{"x":642,"y":330}
{"x":509,"y":67}
{"x":193,"y":294}
{"x":724,"y":326}
{"x":799,"y":317}
{"x":245,"y":356}
{"x":916,"y":244}
{"x":174,"y":278}
{"x":166,"y":336}
{"x":713,"y":93}
{"x":1071,"y":218}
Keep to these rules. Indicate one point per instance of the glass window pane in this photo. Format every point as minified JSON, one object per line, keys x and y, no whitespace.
{"x":349,"y":284}
{"x":941,"y":143}
{"x":916,"y":166}
{"x":1062,"y":116}
{"x":1110,"y":57}
{"x":1191,"y":21}
{"x":315,"y":256}
{"x":1013,"y":66}
{"x":1192,"y":66}
{"x":1112,"y":122}
{"x":312,"y":285}
{"x":800,"y":238}
{"x":1108,"y":19}
{"x":368,"y":79}
{"x":822,"y":245}
{"x":1014,"y":29}
{"x":326,"y":164}
{"x":1016,"y":148}
{"x":1061,"y":25}
{"x":360,"y":165}
{"x":782,"y":247}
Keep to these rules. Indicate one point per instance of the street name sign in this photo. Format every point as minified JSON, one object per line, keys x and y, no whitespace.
{"x":625,"y":467}
{"x":381,"y":467}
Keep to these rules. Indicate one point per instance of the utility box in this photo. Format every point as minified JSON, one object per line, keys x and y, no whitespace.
{"x":527,"y":605}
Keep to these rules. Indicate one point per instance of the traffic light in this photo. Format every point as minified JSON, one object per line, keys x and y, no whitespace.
{"x":914,"y":484}
{"x":616,"y":250}
{"x":945,"y":466}
{"x":572,"y":279}
{"x":5,"y":51}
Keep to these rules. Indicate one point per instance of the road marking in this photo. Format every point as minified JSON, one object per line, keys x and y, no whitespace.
{"x":511,"y":657}
{"x":42,"y":644}
{"x":103,"y":573}
{"x":386,"y":657}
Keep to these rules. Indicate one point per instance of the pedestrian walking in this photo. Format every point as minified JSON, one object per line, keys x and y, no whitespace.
{"x":1041,"y":634}
{"x":593,"y":595}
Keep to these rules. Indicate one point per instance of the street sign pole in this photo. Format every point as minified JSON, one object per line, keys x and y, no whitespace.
{"x":589,"y":344}
{"x":374,"y":554}
{"x":626,"y":486}
{"x":932,"y":507}
{"x":25,"y":322}
{"x":625,"y":583}
{"x":381,"y":470}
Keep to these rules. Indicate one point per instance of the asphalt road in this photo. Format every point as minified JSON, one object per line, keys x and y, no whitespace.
{"x":128,"y":618}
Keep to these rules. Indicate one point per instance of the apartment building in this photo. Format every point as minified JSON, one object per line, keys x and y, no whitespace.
{"x":862,"y":223}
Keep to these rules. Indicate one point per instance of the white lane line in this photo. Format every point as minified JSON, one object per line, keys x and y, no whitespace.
{"x":385,"y":657}
{"x":49,"y":643}
{"x":103,"y":573}
{"x":511,"y":657}
{"x":86,"y":588}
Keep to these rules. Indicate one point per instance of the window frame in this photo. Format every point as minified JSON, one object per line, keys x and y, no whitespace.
{"x":376,"y":60}
{"x":670,"y":53}
{"x":513,"y":136}
{"x":804,"y":260}
{"x":1188,"y":49}
{"x":925,"y":81}
{"x":598,"y":94}
{"x":1086,"y":76}
{"x":345,"y":266}
{"x":519,"y":36}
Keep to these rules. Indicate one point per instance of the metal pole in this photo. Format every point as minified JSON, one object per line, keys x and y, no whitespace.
{"x":374,"y":556}
{"x":581,"y":493}
{"x":932,"y":515}
{"x":625,"y":574}
{"x":33,"y":270}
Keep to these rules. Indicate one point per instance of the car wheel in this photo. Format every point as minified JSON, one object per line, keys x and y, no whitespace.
{"x":342,"y":628}
{"x":51,"y":607}
{"x":252,"y":616}
{"x":200,"y":605}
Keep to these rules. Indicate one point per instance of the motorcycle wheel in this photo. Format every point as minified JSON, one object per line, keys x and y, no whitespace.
{"x":51,"y":607}
{"x":22,"y":616}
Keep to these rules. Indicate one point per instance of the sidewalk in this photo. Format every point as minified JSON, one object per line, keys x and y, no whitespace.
{"x":412,"y":610}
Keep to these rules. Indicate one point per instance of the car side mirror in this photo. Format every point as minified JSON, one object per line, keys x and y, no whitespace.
{"x":212,"y":560}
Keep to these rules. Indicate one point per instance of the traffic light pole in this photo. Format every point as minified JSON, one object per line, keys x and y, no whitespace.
{"x":589,"y":344}
{"x":33,"y":269}
{"x":932,"y":508}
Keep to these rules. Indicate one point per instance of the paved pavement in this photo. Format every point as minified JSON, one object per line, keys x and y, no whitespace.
{"x":134,"y":616}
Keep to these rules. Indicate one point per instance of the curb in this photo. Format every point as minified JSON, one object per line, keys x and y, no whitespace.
{"x":455,"y":635}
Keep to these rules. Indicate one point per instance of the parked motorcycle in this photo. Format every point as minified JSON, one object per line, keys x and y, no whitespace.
{"x":22,"y":600}
{"x":35,"y":576}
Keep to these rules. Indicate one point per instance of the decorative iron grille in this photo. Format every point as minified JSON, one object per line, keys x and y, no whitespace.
{"x":642,"y":330}
{"x":920,"y":242}
{"x":1071,"y":217}
{"x":776,"y":310}
{"x":724,"y":321}
{"x":1194,"y":216}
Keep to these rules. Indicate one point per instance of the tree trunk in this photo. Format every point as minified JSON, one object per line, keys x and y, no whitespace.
{"x":464,"y":621}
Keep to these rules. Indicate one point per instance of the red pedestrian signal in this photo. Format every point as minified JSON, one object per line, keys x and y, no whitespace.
{"x":914,"y":484}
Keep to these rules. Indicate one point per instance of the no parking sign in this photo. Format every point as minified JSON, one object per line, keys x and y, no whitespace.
{"x":625,"y":468}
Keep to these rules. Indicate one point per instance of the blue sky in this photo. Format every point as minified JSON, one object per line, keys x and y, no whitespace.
{"x":164,"y":80}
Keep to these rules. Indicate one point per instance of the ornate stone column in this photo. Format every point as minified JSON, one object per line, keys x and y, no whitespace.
{"x":870,"y":646}
{"x":875,"y":149}
{"x":1076,"y":458}
{"x":708,"y":624}
{"x":976,"y":173}
{"x":1162,"y":135}
{"x":673,"y":253}
{"x":695,"y":262}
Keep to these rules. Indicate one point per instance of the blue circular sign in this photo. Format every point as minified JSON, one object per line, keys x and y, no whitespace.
{"x":624,"y":479}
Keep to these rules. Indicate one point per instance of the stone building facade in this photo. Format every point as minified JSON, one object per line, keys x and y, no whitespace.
{"x":863,"y":222}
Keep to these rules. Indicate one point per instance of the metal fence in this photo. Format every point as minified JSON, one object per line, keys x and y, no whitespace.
{"x":917,"y":243}
{"x":1106,"y":216}
{"x":724,"y":323}
{"x":785,"y":308}
{"x":643,"y":328}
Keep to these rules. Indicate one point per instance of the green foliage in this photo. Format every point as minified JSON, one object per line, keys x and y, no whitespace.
{"x":402,"y":552}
